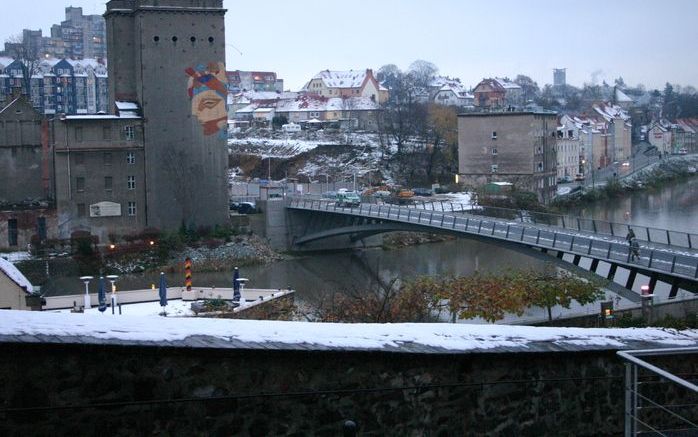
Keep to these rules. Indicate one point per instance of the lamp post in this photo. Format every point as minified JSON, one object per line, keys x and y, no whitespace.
{"x":86,"y":280}
{"x":647,"y":296}
{"x":112,"y":279}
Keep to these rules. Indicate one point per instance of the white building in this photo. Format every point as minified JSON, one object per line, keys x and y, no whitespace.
{"x":569,"y":149}
{"x":659,"y":135}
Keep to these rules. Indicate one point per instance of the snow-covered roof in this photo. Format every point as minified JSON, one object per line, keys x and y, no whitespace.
{"x":610,"y":112}
{"x":427,"y":338}
{"x":621,"y":97}
{"x":314,"y":103}
{"x":127,"y":109}
{"x":342,"y":79}
{"x":507,"y":84}
{"x":15,"y":275}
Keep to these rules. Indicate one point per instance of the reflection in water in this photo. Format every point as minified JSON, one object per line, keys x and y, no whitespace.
{"x":324,"y":273}
{"x":318,"y":274}
{"x":673,"y":207}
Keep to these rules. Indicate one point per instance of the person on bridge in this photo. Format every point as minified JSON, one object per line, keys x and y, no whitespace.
{"x":634,"y":249}
{"x":630,"y":236}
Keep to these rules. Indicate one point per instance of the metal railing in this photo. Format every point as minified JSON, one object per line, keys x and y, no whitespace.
{"x":658,"y":402}
{"x":614,"y":249}
{"x":573,"y":223}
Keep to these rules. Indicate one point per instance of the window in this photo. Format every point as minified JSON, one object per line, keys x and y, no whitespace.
{"x":494,"y":135}
{"x":570,"y":134}
{"x":106,"y":133}
{"x":79,"y":158}
{"x":132,"y":209}
{"x":12,"y":232}
{"x":131,"y":183}
{"x":78,"y":134}
{"x":107,"y":183}
{"x":539,"y":150}
{"x":129,"y":133}
{"x":494,"y":150}
{"x":81,"y":210}
{"x":540,"y":166}
{"x":41,"y":228}
{"x":494,"y":168}
{"x":107,"y":158}
{"x":130,"y":157}
{"x":80,"y":184}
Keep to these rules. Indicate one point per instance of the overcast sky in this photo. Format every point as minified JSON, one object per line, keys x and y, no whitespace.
{"x":649,"y":42}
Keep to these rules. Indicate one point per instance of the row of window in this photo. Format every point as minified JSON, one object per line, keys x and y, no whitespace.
{"x":107,"y":158}
{"x":129,"y":133}
{"x":130,"y":209}
{"x":175,"y":38}
{"x":108,"y":183}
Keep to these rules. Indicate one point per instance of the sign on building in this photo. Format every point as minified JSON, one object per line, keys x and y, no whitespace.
{"x":105,"y":209}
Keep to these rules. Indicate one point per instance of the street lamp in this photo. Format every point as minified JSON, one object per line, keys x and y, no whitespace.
{"x":86,"y":280}
{"x":112,"y":279}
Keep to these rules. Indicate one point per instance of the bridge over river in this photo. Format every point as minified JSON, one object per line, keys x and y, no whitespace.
{"x":665,"y":255}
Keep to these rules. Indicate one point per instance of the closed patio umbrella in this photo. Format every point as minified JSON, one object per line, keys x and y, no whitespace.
{"x":236,"y":285}
{"x":163,"y":293}
{"x":101,"y":295}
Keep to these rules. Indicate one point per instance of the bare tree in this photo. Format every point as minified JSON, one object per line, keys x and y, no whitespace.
{"x":29,"y":57}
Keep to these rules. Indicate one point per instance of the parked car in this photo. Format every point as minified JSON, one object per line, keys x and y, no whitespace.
{"x":422,"y":191}
{"x":332,"y":195}
{"x":683,"y":151}
{"x":243,"y":207}
{"x":626,"y":164}
{"x":565,"y":179}
{"x":579,"y":177}
{"x":347,"y":198}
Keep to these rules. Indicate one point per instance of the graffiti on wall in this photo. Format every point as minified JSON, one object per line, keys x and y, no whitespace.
{"x":208,"y":92}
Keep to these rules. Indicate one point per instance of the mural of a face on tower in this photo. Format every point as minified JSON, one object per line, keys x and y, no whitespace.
{"x":208,"y":91}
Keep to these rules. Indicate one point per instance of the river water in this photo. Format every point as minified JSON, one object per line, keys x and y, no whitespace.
{"x":674,"y":206}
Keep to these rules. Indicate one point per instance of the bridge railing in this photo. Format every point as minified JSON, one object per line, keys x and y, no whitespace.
{"x":644,"y":233}
{"x":529,"y":232}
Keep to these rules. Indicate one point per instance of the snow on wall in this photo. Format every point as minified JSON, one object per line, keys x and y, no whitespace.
{"x":445,"y":336}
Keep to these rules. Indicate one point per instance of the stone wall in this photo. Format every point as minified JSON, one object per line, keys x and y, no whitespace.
{"x":201,"y":391}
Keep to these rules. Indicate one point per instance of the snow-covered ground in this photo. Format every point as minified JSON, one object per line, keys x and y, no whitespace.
{"x":174,"y":308}
{"x":15,"y":256}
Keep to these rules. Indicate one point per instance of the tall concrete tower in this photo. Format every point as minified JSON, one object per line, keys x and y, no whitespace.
{"x":168,"y":56}
{"x":559,"y":77}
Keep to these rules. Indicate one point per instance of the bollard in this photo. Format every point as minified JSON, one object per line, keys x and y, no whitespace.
{"x":187,"y":273}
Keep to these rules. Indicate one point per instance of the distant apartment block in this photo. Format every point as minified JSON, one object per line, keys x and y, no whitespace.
{"x":57,"y":85}
{"x":77,"y":37}
{"x":254,"y":81}
{"x":514,"y":147}
{"x":559,"y":77}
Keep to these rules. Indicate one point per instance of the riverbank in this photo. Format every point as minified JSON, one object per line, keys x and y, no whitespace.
{"x":212,"y":255}
{"x":654,"y":176}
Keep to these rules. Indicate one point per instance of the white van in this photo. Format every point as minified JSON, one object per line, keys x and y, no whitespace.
{"x":291,"y":127}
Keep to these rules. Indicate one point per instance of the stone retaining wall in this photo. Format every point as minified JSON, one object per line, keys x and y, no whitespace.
{"x":199,"y":391}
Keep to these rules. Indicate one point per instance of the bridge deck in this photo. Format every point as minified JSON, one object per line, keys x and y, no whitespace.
{"x":679,"y":262}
